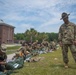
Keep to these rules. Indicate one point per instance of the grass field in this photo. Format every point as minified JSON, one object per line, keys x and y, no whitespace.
{"x":52,"y":64}
{"x":13,"y":49}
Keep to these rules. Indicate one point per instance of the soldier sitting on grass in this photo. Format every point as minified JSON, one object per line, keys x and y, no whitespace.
{"x":3,"y":62}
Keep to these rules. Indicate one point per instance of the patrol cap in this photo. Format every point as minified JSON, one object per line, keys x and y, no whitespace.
{"x":64,"y":15}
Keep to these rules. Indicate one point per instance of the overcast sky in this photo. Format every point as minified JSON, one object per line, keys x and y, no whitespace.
{"x":42,"y":15}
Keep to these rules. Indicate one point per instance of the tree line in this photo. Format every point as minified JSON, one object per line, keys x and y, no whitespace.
{"x":32,"y":35}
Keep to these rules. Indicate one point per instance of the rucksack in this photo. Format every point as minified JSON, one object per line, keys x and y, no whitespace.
{"x":16,"y":64}
{"x":2,"y":73}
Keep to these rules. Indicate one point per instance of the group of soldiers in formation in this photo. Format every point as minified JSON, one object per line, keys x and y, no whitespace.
{"x":27,"y":50}
{"x":35,"y":47}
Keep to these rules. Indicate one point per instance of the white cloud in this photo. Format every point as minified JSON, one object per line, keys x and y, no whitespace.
{"x":22,"y":28}
{"x":27,"y":26}
{"x":14,"y":17}
{"x":27,"y":12}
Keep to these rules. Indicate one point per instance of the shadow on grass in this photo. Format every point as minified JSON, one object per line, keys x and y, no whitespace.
{"x":56,"y":65}
{"x":15,"y":71}
{"x":72,"y":67}
{"x":62,"y":66}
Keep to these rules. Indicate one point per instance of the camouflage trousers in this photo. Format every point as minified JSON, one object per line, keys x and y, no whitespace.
{"x":65,"y":52}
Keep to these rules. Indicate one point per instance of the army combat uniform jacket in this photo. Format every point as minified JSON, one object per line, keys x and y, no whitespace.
{"x":67,"y":33}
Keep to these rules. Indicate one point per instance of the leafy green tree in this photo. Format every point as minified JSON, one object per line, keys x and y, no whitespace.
{"x":19,"y":36}
{"x":52,"y":36}
{"x":32,"y":35}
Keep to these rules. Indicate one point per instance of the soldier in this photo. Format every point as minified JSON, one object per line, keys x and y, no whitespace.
{"x":3,"y":58}
{"x":67,"y":38}
{"x":3,"y":53}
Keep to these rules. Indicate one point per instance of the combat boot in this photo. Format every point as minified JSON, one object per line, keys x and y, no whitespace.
{"x":66,"y":65}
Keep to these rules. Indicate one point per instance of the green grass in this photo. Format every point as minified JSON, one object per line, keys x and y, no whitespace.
{"x":12,"y":49}
{"x":48,"y":66}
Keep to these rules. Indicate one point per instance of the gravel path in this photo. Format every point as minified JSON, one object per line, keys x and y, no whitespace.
{"x":9,"y":57}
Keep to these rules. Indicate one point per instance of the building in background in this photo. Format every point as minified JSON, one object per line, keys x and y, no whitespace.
{"x":6,"y":33}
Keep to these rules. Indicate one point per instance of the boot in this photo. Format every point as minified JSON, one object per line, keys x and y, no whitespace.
{"x":66,"y":66}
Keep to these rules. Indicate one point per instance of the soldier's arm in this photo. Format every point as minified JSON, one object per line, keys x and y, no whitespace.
{"x":2,"y":62}
{"x":75,"y":34}
{"x":60,"y":35}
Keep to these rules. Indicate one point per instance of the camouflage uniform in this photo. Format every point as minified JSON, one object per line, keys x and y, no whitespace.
{"x":67,"y":36}
{"x":3,"y":58}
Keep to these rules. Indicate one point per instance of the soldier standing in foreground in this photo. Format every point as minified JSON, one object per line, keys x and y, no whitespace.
{"x":67,"y":38}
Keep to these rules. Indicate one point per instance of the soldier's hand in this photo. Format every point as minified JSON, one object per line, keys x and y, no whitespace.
{"x":74,"y":42}
{"x":2,"y":63}
{"x":60,"y":43}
